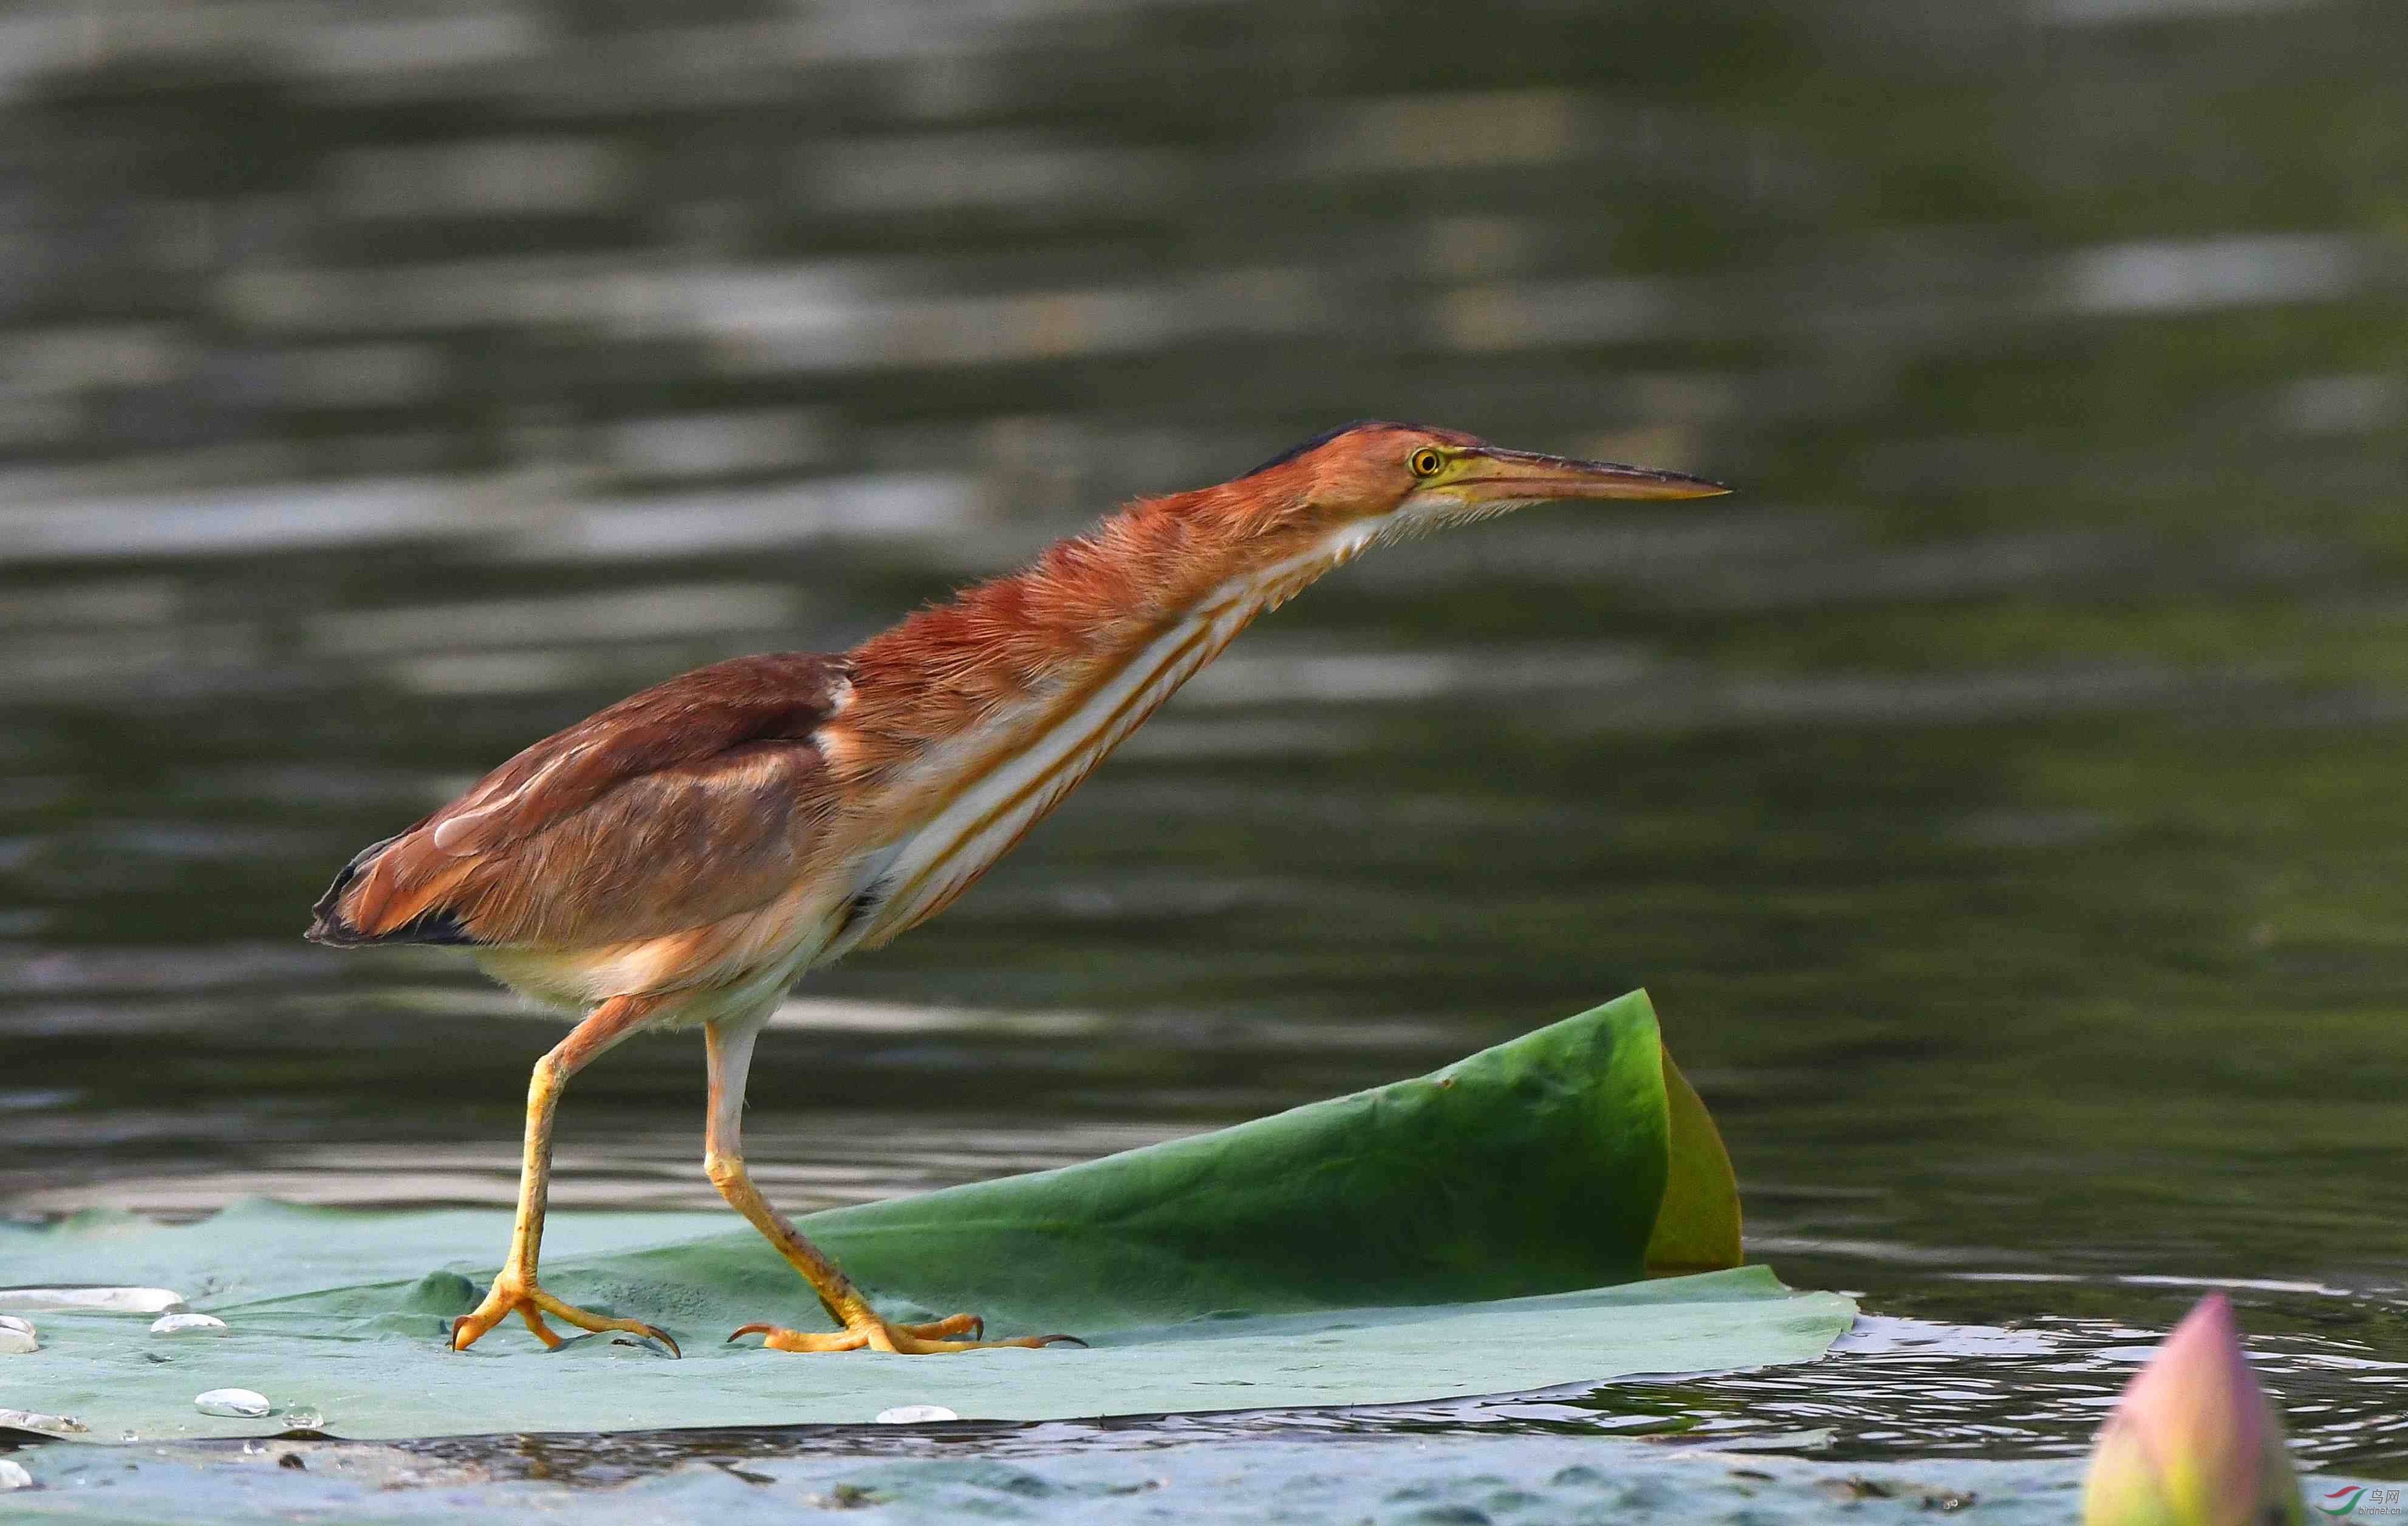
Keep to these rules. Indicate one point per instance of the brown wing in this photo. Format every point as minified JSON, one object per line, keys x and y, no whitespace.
{"x":690,"y":801}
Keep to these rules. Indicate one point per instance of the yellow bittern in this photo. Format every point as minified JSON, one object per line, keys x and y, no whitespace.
{"x":680,"y":858}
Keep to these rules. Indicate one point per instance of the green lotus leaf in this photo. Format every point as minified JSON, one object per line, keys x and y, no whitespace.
{"x":1493,"y":1227}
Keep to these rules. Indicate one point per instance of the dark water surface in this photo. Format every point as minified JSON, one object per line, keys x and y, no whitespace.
{"x":2001,"y":797}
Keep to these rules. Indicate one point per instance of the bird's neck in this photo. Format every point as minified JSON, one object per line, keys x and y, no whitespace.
{"x":969,"y":722}
{"x":1137,"y":605}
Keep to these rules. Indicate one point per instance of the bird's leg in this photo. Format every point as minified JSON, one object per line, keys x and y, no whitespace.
{"x":514,"y":1289}
{"x":730,"y":1050}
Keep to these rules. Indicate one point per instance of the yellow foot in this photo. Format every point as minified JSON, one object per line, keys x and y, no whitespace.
{"x":908,"y":1340}
{"x":511,"y":1295}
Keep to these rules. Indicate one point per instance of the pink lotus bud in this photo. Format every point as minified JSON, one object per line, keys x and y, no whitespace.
{"x":2194,"y":1441}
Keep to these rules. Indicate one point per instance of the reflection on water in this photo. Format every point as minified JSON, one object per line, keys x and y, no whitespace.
{"x":2000,"y":797}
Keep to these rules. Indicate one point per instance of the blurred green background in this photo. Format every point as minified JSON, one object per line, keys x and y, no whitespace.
{"x":2000,"y":794}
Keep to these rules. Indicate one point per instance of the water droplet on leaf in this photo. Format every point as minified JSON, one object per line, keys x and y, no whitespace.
{"x":915,"y":1415}
{"x":241,"y":1402}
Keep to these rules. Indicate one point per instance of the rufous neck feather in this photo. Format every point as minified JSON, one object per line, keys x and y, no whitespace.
{"x":1086,"y":606}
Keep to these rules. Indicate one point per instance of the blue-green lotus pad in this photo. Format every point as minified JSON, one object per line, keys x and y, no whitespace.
{"x":1500,"y":1225}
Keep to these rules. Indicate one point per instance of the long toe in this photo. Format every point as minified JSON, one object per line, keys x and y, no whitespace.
{"x":912,"y":1345}
{"x":599,"y":1323}
{"x":505,"y":1297}
{"x":469,"y":1329}
{"x":902,"y":1340}
{"x":779,"y":1338}
{"x":531,"y":1302}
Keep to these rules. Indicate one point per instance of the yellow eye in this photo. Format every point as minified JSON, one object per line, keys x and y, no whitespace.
{"x":1425,"y":462}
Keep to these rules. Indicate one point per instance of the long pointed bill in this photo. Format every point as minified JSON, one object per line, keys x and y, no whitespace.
{"x":1487,"y":476}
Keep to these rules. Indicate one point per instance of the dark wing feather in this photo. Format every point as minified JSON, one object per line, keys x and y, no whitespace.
{"x":690,"y":801}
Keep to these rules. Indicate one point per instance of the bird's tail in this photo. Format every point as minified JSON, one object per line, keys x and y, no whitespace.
{"x":330,"y":926}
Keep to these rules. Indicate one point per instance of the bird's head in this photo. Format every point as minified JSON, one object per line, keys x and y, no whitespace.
{"x":1398,"y":478}
{"x":1306,"y":511}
